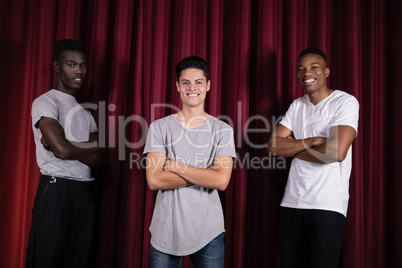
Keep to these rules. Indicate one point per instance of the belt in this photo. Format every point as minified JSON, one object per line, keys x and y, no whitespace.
{"x":68,"y":182}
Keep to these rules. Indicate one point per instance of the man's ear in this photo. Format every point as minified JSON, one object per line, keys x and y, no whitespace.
{"x":177,"y":86}
{"x":208,"y":85}
{"x":327,"y":72}
{"x":56,"y":66}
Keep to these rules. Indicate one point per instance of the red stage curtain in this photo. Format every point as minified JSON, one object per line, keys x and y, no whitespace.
{"x":252,"y":48}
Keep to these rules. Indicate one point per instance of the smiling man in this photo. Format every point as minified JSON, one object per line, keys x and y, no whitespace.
{"x":189,"y":157}
{"x":66,"y":138}
{"x":317,"y":132}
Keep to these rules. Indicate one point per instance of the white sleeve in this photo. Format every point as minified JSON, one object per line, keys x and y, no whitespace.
{"x":347,"y":113}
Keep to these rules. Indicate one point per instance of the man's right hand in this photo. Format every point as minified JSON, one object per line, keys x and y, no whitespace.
{"x":44,"y":144}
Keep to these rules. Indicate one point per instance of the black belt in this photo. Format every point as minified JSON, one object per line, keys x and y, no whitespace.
{"x":69,"y":182}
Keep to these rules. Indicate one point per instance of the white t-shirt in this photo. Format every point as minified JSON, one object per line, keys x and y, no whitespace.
{"x":320,"y":186}
{"x":77,"y":123}
{"x":188,"y":218}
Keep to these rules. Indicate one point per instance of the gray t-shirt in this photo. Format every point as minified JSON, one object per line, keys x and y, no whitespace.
{"x":187,"y":219}
{"x":77,"y":123}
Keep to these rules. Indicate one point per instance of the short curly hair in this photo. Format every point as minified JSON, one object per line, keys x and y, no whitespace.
{"x":66,"y":44}
{"x":313,"y":50}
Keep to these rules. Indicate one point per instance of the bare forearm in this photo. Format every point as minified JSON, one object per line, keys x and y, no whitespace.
{"x":322,"y":154}
{"x":309,"y":155}
{"x":166,"y":180}
{"x":158,"y":178}
{"x":53,"y":139}
{"x":94,"y":160}
{"x":164,"y":174}
{"x":210,"y":178}
{"x":287,"y":147}
{"x":76,"y":151}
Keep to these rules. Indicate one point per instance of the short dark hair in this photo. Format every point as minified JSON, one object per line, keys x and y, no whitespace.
{"x":66,"y":44}
{"x":192,"y":62}
{"x":314,"y":50}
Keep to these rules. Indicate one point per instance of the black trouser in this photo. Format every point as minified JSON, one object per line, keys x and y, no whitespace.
{"x":62,"y":228}
{"x":310,"y":238}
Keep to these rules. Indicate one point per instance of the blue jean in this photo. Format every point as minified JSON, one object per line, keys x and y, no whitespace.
{"x":211,"y":256}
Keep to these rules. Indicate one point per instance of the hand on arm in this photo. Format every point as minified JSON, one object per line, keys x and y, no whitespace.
{"x":93,"y":160}
{"x":334,"y":149}
{"x":159,"y":179}
{"x":214,"y":177}
{"x":53,"y":139}
{"x":282,"y":144}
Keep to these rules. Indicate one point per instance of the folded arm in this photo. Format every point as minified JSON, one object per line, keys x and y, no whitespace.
{"x":167,"y":174}
{"x":53,"y":139}
{"x":159,"y":179}
{"x":314,"y":149}
{"x":282,"y":144}
{"x":334,"y":150}
{"x":95,"y":159}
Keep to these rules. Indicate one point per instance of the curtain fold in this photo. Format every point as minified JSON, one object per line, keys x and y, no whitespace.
{"x":252,"y":48}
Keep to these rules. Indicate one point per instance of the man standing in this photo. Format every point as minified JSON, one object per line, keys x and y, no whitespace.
{"x":63,"y":216}
{"x":317,"y":131}
{"x":189,"y":157}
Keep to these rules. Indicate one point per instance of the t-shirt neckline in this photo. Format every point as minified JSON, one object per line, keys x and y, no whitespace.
{"x":323,"y":101}
{"x":191,"y":129}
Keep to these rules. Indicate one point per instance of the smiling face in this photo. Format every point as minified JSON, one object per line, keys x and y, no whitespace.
{"x":193,"y":87}
{"x":71,"y":70}
{"x":312,"y":72}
